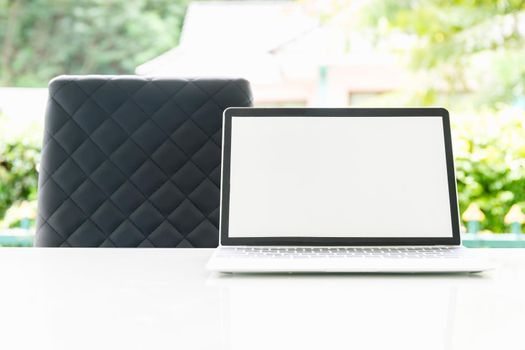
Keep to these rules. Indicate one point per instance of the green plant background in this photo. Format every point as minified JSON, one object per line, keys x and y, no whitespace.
{"x":18,"y":175}
{"x":490,"y":165}
{"x":479,"y":77}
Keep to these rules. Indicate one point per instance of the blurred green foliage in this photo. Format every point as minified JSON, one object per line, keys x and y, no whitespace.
{"x":471,"y":47}
{"x":18,"y":173}
{"x":490,"y":169}
{"x":40,"y":39}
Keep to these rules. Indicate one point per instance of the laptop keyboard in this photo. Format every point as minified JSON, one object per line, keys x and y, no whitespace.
{"x":340,"y":252}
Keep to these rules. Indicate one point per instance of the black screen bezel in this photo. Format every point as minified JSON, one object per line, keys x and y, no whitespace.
{"x":335,"y":241}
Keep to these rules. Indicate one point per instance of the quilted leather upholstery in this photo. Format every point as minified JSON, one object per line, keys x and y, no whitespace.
{"x":133,"y":162}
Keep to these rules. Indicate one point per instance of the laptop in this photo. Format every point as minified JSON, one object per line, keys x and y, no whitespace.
{"x":339,"y":190}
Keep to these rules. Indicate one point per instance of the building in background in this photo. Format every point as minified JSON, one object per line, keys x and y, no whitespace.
{"x":290,"y":58}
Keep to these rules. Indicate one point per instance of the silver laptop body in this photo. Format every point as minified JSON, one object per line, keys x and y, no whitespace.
{"x":339,"y":190}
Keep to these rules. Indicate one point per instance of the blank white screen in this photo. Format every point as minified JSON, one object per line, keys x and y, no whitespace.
{"x":338,"y":177}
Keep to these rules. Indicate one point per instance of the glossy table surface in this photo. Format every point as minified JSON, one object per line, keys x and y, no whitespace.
{"x":165,"y":299}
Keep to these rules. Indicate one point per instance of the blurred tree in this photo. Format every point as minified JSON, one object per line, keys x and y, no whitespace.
{"x":474,"y":47}
{"x":44,"y":38}
{"x":490,"y":169}
{"x":18,"y":174}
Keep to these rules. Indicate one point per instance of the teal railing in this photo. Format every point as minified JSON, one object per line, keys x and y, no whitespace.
{"x":16,"y":237}
{"x":24,"y":238}
{"x":493,"y":240}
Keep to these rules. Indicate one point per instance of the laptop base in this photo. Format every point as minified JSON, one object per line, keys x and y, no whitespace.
{"x":454,"y":260}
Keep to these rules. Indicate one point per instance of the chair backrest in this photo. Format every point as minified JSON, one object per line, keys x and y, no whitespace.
{"x":133,"y":162}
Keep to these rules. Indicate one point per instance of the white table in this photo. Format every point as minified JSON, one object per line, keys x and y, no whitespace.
{"x":164,"y":299}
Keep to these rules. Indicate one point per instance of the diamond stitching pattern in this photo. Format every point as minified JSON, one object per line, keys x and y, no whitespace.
{"x":133,"y":161}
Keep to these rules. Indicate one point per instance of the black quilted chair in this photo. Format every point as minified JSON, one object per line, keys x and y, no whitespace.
{"x":133,"y":162}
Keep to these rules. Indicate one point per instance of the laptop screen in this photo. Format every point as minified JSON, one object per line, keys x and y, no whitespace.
{"x":333,"y":176}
